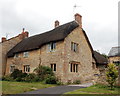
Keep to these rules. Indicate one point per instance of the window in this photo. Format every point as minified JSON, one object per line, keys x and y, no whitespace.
{"x":116,"y":63}
{"x":74,"y":47}
{"x":73,"y":67}
{"x":12,"y":68}
{"x":93,"y":65}
{"x":25,"y":54}
{"x":26,"y":68}
{"x":53,"y":67}
{"x":51,"y":46}
{"x":16,"y":55}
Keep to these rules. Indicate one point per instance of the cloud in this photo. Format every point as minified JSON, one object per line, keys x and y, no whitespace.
{"x":36,"y":16}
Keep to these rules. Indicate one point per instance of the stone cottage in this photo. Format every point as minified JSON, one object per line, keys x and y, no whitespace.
{"x":7,"y":45}
{"x":66,"y":49}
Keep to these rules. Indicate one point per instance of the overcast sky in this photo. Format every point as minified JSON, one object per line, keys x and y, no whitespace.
{"x":99,"y":18}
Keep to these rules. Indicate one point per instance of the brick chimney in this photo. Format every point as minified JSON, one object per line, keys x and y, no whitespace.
{"x":78,"y":19}
{"x":24,"y":34}
{"x":57,"y":23}
{"x":3,"y":39}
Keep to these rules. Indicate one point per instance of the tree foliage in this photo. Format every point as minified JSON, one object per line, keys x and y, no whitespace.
{"x":111,"y":74}
{"x":43,"y":72}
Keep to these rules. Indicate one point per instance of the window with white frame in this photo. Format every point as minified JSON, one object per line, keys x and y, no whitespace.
{"x":12,"y":68}
{"x":74,"y":47}
{"x":25,"y":54}
{"x":26,"y":68}
{"x":53,"y":67}
{"x":51,"y":46}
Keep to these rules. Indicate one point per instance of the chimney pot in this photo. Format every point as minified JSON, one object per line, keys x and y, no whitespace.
{"x":57,"y":23}
{"x":3,"y":39}
{"x":78,"y":19}
{"x":26,"y":34}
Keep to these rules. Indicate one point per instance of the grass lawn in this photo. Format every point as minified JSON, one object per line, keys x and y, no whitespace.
{"x":95,"y":89}
{"x":21,"y":87}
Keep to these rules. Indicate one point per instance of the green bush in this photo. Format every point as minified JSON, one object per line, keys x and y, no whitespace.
{"x":7,"y":78}
{"x":111,"y":74}
{"x":51,"y":80}
{"x":44,"y":72}
{"x":32,"y":78}
{"x":17,"y":74}
{"x":59,"y":83}
{"x":77,"y":82}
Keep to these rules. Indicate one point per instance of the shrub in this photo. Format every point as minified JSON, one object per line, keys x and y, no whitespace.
{"x":32,"y":78}
{"x":18,"y":74}
{"x":59,"y":83}
{"x":7,"y":78}
{"x":51,"y":80}
{"x":77,"y":82}
{"x":43,"y":72}
{"x":69,"y":82}
{"x":111,"y":74}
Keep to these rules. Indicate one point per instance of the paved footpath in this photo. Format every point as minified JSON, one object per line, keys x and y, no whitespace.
{"x":59,"y":89}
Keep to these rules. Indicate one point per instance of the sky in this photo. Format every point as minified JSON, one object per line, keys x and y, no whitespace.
{"x":99,"y":18}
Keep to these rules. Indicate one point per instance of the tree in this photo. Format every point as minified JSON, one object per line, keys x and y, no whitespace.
{"x":103,"y":54}
{"x":111,"y":74}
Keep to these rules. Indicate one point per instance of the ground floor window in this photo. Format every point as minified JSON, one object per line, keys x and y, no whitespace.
{"x":12,"y":68}
{"x":116,"y":63}
{"x":73,"y":67}
{"x":26,"y":68}
{"x":53,"y":67}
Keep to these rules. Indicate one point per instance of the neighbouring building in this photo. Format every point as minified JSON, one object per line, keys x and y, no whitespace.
{"x":7,"y":45}
{"x":66,"y":49}
{"x":114,"y":57}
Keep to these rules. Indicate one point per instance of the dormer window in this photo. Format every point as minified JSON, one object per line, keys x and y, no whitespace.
{"x":25,"y":54}
{"x":16,"y":55}
{"x":51,"y":46}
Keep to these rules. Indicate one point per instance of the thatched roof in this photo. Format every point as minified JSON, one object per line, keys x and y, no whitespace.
{"x":36,"y":41}
{"x":99,"y":58}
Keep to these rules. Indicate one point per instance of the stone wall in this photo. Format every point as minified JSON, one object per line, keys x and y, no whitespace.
{"x":33,"y":60}
{"x":116,"y":58}
{"x":62,"y":57}
{"x":5,"y":47}
{"x":84,"y":56}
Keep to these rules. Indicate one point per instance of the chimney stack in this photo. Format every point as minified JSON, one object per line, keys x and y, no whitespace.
{"x":24,"y":34}
{"x":3,"y":39}
{"x":56,"y":23}
{"x":78,"y":19}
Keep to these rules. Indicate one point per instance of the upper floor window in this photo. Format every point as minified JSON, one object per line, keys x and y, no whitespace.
{"x":51,"y":46}
{"x":26,"y":68}
{"x":74,"y":46}
{"x":16,"y":55}
{"x":12,"y":68}
{"x":53,"y":67}
{"x":25,"y":54}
